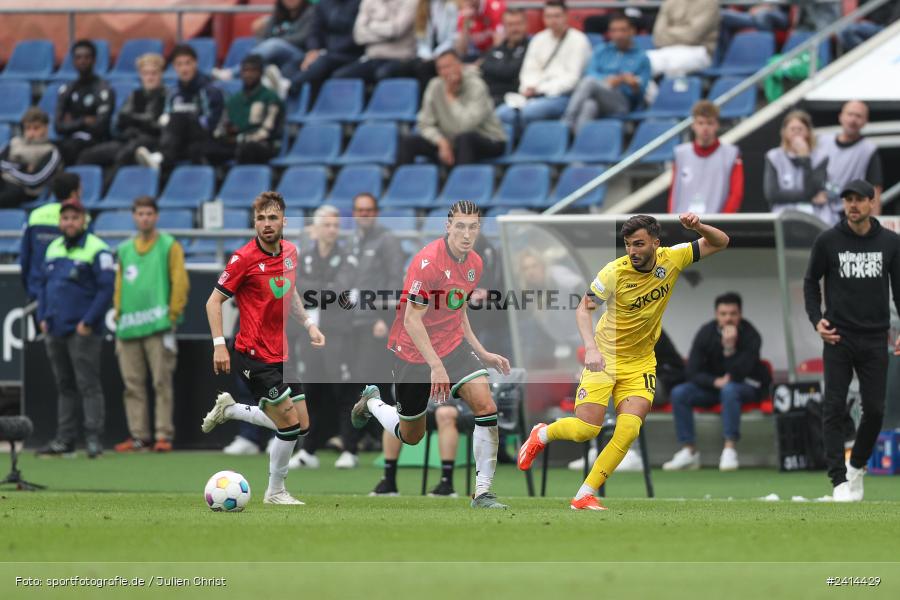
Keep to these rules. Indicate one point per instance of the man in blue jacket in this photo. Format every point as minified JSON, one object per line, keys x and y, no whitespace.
{"x":76,"y":290}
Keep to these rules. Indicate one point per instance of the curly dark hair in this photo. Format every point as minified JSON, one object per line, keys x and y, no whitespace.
{"x":634,"y":224}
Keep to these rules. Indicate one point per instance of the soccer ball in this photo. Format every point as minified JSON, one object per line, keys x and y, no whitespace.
{"x":227,"y":491}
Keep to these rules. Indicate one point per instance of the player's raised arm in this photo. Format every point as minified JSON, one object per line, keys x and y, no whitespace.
{"x":299,"y":314}
{"x":713,"y":239}
{"x":496,"y":361}
{"x":221,"y":359}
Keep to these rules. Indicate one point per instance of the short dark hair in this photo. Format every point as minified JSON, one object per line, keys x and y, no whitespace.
{"x":254,"y":61}
{"x":269,"y":199}
{"x":365,"y":195}
{"x":515,"y":12}
{"x":556,"y":4}
{"x":448,"y":52}
{"x":620,"y":16}
{"x":35,"y":115}
{"x":634,"y":224}
{"x":83,"y":43}
{"x":183,"y":50}
{"x":144,"y":202}
{"x":730,"y":298}
{"x":64,"y":185}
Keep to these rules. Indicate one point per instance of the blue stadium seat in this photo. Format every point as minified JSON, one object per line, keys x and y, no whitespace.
{"x":643,"y":42}
{"x":525,"y":185}
{"x":316,"y":144}
{"x":372,"y":143}
{"x":435,"y":224}
{"x":543,"y":141}
{"x":30,"y":60}
{"x":597,"y":142}
{"x":129,"y":53}
{"x":66,"y":71}
{"x":175,"y":219}
{"x":5,"y":135}
{"x":575,"y":176}
{"x":743,"y":105}
{"x":240,"y":47}
{"x":232,"y":218}
{"x":468,"y":182}
{"x":303,"y":187}
{"x":298,"y":106}
{"x":15,"y":98}
{"x":797,"y":37}
{"x":113,"y":220}
{"x":399,"y":219}
{"x":188,"y":187}
{"x":353,"y":180}
{"x":206,"y":50}
{"x":11,"y":219}
{"x":295,"y":217}
{"x":489,"y":223}
{"x":338,"y":100}
{"x":48,"y":102}
{"x":748,"y":53}
{"x":412,"y":186}
{"x":129,"y":183}
{"x":91,"y":182}
{"x":244,"y":183}
{"x":123,"y":88}
{"x":676,"y":98}
{"x":645,"y":133}
{"x":393,"y":100}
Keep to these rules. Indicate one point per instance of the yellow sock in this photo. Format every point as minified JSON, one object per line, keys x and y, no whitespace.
{"x":572,"y":429}
{"x":627,"y":429}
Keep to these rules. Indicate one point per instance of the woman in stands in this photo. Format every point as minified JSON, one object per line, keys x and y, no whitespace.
{"x":795,"y":173}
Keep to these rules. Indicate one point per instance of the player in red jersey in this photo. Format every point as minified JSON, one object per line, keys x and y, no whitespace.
{"x":437,"y":355}
{"x":261,"y":277}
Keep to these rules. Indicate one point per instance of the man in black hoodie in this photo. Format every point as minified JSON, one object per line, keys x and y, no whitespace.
{"x":855,"y":257}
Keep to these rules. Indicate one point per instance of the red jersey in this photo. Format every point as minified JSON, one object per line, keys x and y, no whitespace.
{"x":443,"y":283}
{"x":261,"y":284}
{"x":483,"y":25}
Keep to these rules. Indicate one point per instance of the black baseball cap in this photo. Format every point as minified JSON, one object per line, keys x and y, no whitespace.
{"x":859,"y":186}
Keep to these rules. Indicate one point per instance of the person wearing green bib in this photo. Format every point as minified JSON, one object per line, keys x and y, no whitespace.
{"x":150,"y":296}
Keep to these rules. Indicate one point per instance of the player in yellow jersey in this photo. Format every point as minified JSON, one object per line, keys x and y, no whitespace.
{"x":619,"y":358}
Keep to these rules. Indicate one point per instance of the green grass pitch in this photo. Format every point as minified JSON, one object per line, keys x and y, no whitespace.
{"x":705,"y":535}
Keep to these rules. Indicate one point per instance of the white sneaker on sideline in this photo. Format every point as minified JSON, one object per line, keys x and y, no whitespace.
{"x":729,"y":460}
{"x":684,"y":459}
{"x":216,"y":416}
{"x":842,"y":493}
{"x":303,"y":460}
{"x":146,"y":158}
{"x":578,"y":463}
{"x":346,"y":461}
{"x":241,"y":446}
{"x":855,"y":479}
{"x":282,"y":497}
{"x":632,"y":462}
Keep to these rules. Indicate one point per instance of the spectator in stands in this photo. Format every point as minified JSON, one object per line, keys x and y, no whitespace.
{"x":43,"y":228}
{"x":386,"y":28}
{"x":500,"y":66}
{"x":137,"y":123}
{"x":769,"y":15}
{"x":816,"y":15}
{"x":708,"y":174}
{"x":479,"y":26}
{"x":283,"y":36}
{"x":326,"y":267}
{"x":250,"y":129}
{"x":435,"y":27}
{"x":850,"y":156}
{"x":75,"y":292}
{"x":151,"y":290}
{"x":330,"y":44}
{"x":85,"y":106}
{"x":723,"y":368}
{"x":615,"y":80}
{"x":795,"y":174}
{"x":193,"y":110}
{"x":28,"y":162}
{"x":553,"y":64}
{"x":684,"y":37}
{"x":456,"y":123}
{"x":872,"y":25}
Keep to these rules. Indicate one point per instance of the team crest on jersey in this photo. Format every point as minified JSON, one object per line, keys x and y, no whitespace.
{"x":471,"y":275}
{"x":661,"y":272}
{"x":273,"y":393}
{"x":582,"y":394}
{"x":288,"y":264}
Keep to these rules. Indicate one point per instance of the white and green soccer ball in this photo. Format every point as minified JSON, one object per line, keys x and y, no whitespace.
{"x":227,"y":491}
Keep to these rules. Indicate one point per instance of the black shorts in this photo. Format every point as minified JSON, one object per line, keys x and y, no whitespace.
{"x":412,"y":381}
{"x":267,"y":381}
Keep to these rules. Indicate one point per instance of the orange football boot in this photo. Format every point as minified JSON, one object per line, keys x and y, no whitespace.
{"x":586,"y":503}
{"x":531,"y":448}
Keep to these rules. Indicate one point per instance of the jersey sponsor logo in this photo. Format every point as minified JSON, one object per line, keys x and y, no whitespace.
{"x":279,"y":286}
{"x":425,"y":262}
{"x":456,"y":299}
{"x":650,"y":297}
{"x":660,"y":272}
{"x":262,"y":267}
{"x":860,"y":265}
{"x":223,"y":277}
{"x":131,"y":273}
{"x":582,"y":394}
{"x":471,"y":275}
{"x":630,"y":286}
{"x":415,"y":287}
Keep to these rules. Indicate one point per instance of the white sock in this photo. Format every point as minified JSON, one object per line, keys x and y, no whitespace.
{"x":249,"y":414}
{"x":385,"y":413}
{"x":585,"y":490}
{"x":542,"y":434}
{"x":278,"y":464}
{"x":485,"y":442}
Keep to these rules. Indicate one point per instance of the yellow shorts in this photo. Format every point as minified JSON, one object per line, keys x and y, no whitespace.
{"x":632,"y":378}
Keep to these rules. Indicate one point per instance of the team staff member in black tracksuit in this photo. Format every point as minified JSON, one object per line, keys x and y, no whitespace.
{"x":85,"y":106}
{"x":855,"y":257}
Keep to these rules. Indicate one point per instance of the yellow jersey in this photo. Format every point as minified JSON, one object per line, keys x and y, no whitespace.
{"x":635,"y":301}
